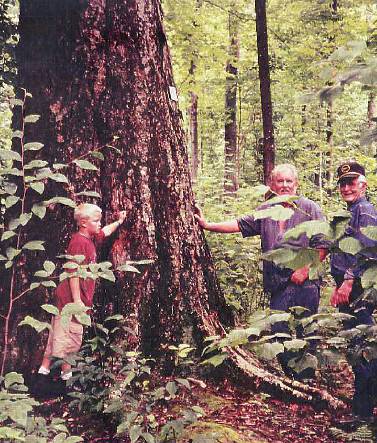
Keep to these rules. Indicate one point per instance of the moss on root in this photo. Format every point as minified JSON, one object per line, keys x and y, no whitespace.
{"x":212,"y":432}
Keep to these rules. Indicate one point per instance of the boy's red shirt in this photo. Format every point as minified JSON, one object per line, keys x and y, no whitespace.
{"x":80,"y":245}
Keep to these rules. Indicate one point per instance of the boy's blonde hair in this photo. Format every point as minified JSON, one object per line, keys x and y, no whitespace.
{"x":85,"y":211}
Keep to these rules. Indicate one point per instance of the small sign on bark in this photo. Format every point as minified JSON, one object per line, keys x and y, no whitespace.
{"x":173,"y":93}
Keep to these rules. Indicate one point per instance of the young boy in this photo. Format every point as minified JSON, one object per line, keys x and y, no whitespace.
{"x":62,"y":340}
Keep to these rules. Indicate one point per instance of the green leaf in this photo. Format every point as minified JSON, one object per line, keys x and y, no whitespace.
{"x":11,"y":171}
{"x":370,"y":232}
{"x":2,"y":258}
{"x":184,"y":382}
{"x":17,"y":134}
{"x":25,"y":218}
{"x":49,"y":266}
{"x":295,"y":344}
{"x":310,"y":228}
{"x":85,"y":164}
{"x":116,"y":317}
{"x":350,"y":245}
{"x":33,"y":146}
{"x":49,"y":284}
{"x":60,"y":178}
{"x":16,"y":102}
{"x":71,"y":265}
{"x":11,"y":201}
{"x":127,"y":268}
{"x":7,"y":234}
{"x":12,"y":378}
{"x":277,"y":213}
{"x":305,"y":362}
{"x":38,"y":187}
{"x":36,"y":245}
{"x":51,"y":309}
{"x":61,"y":200}
{"x":6,"y":154}
{"x":369,"y":277}
{"x":31,"y":118}
{"x":10,"y":434}
{"x":268,"y":351}
{"x":97,"y":154}
{"x":57,"y":166}
{"x":36,"y":324}
{"x":171,"y":387}
{"x":141,"y":262}
{"x":135,"y":432}
{"x":148,"y":437}
{"x":89,"y":194}
{"x":36,"y":164}
{"x":11,"y":253}
{"x":34,"y":286}
{"x":10,"y":188}
{"x":77,"y":258}
{"x":42,"y":274}
{"x":8,"y":264}
{"x":109,"y":275}
{"x":39,"y":210}
{"x":216,"y":360}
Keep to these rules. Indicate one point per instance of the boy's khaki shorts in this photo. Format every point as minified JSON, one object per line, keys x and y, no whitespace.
{"x":63,"y":340}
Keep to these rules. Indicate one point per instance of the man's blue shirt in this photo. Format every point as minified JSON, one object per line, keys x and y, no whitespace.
{"x":274,"y":276}
{"x":350,"y":266}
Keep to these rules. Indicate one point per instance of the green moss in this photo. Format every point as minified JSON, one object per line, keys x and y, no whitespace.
{"x":211,"y":432}
{"x":214,"y":402}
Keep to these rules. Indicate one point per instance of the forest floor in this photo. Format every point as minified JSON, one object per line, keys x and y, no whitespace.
{"x":237,"y":416}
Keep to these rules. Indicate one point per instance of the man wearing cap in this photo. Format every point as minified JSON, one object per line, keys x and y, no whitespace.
{"x":287,"y":288}
{"x":347,"y":270}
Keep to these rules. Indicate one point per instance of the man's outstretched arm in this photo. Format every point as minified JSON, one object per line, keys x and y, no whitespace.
{"x":224,"y":227}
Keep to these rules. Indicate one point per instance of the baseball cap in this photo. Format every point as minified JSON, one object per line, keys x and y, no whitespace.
{"x":350,"y":169}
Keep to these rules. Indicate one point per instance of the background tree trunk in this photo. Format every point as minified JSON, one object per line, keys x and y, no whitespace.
{"x":265,"y":89}
{"x":231,"y":155}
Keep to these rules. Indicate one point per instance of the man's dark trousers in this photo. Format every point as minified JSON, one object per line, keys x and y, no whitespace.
{"x":306,"y":296}
{"x":365,"y":371}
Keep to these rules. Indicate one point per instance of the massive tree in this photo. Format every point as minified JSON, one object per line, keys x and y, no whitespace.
{"x":100,"y":73}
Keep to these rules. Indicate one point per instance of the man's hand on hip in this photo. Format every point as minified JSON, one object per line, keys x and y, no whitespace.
{"x":300,"y":275}
{"x":341,"y":295}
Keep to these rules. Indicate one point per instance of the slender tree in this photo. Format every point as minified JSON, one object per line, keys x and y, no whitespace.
{"x":231,"y":154}
{"x":265,"y":88}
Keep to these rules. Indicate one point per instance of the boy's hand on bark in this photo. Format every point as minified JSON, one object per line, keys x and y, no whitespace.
{"x":122,"y":217}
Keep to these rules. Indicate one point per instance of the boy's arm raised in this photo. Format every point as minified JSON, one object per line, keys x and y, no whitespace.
{"x":112,"y":227}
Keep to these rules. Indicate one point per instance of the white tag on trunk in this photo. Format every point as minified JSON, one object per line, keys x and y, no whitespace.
{"x":173,"y":93}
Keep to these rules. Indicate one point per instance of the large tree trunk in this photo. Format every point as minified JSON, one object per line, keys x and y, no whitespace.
{"x":265,"y":89}
{"x":100,"y":72}
{"x":231,"y":157}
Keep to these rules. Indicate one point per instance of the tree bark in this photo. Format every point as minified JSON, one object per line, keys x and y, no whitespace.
{"x":265,"y":89}
{"x":231,"y":155}
{"x":194,"y":135}
{"x":100,"y":73}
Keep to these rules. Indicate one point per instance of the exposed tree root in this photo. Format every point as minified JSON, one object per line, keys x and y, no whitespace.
{"x":251,"y":368}
{"x":253,"y":372}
